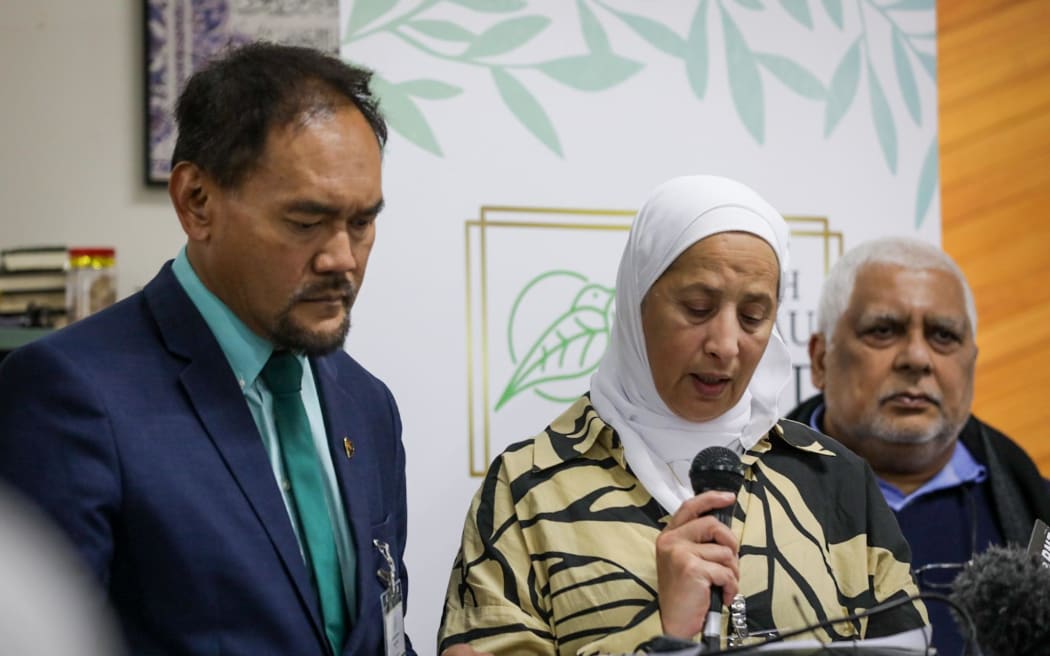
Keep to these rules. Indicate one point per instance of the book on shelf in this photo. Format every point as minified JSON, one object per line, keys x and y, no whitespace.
{"x":36,"y":308}
{"x":33,"y":258}
{"x":32,"y":281}
{"x":23,"y":302}
{"x":35,"y":318}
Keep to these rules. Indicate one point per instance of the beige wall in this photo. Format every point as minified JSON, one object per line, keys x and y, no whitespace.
{"x":994,"y":85}
{"x":71,"y":134}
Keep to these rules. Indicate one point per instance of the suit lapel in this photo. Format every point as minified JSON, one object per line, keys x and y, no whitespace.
{"x":219,"y":403}
{"x":346,"y":420}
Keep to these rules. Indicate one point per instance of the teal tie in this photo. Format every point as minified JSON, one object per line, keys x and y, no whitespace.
{"x":283,"y":375}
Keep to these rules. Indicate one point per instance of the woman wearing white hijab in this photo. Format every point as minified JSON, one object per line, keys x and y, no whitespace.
{"x":588,"y":538}
{"x":675,"y":222}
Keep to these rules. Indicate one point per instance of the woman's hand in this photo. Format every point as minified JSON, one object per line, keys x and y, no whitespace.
{"x":694,"y":553}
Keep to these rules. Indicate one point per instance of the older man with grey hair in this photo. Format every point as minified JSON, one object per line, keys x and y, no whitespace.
{"x":894,"y":358}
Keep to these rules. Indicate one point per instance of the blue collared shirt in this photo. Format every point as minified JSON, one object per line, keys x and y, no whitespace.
{"x":963,"y":468}
{"x":247,"y":353}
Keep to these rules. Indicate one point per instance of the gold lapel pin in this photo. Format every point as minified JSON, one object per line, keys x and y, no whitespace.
{"x":348,"y":446}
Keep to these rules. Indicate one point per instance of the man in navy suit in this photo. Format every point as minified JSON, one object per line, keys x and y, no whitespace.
{"x":150,"y":430}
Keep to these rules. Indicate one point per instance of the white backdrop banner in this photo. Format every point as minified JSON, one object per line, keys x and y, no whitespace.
{"x":525,"y":133}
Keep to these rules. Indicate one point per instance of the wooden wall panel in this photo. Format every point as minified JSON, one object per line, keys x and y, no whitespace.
{"x":994,"y":101}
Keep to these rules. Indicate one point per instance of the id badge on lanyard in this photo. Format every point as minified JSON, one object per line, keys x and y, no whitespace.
{"x":393,"y":604}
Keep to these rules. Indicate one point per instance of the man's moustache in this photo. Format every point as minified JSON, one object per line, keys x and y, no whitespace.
{"x":340,"y":286}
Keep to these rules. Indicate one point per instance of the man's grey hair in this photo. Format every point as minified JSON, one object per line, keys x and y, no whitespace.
{"x":906,"y":252}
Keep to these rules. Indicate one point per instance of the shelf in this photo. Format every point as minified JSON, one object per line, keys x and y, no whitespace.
{"x":11,"y":337}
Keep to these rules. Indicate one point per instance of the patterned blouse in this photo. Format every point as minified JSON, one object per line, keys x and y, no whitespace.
{"x":558,"y":550}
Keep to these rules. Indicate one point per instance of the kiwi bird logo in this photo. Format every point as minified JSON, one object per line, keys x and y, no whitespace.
{"x":570,"y":343}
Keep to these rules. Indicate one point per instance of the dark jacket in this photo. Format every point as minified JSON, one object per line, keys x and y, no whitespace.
{"x":1020,"y":494}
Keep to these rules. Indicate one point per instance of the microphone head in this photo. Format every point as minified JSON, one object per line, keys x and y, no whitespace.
{"x":716,"y":468}
{"x":1006,"y":592}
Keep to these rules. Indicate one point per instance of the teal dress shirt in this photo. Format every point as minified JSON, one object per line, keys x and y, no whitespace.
{"x":247,"y":353}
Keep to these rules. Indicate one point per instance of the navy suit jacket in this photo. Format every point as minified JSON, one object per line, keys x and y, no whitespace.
{"x":130,"y":429}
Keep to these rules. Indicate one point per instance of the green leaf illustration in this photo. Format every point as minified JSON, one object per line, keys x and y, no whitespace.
{"x":912,"y":5}
{"x":657,"y":34}
{"x":492,"y":6}
{"x":750,"y":4}
{"x":799,"y":10}
{"x":440,"y":29}
{"x":927,"y":184}
{"x":843,"y":87}
{"x":593,"y":33}
{"x":883,"y":120}
{"x":696,"y":55}
{"x":526,"y":109}
{"x":404,"y":116}
{"x":794,"y":76}
{"x":364,"y":12}
{"x":595,"y":72}
{"x":430,"y":89}
{"x":506,"y":36}
{"x":745,"y":83}
{"x":834,"y":10}
{"x":929,"y":62}
{"x":545,"y":276}
{"x":571,"y":346}
{"x":906,"y":78}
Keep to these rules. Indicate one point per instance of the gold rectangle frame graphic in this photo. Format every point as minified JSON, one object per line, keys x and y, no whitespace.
{"x":482,"y":224}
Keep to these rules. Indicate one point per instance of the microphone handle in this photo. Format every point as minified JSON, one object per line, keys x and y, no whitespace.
{"x":724,"y":515}
{"x":713,"y":624}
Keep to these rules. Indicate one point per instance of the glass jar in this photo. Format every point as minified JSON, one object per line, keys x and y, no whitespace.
{"x":91,"y":281}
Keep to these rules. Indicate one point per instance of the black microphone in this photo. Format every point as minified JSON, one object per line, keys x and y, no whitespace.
{"x":716,"y":468}
{"x":1006,"y":592}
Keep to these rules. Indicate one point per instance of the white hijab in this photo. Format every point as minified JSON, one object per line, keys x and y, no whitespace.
{"x":658,"y":444}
